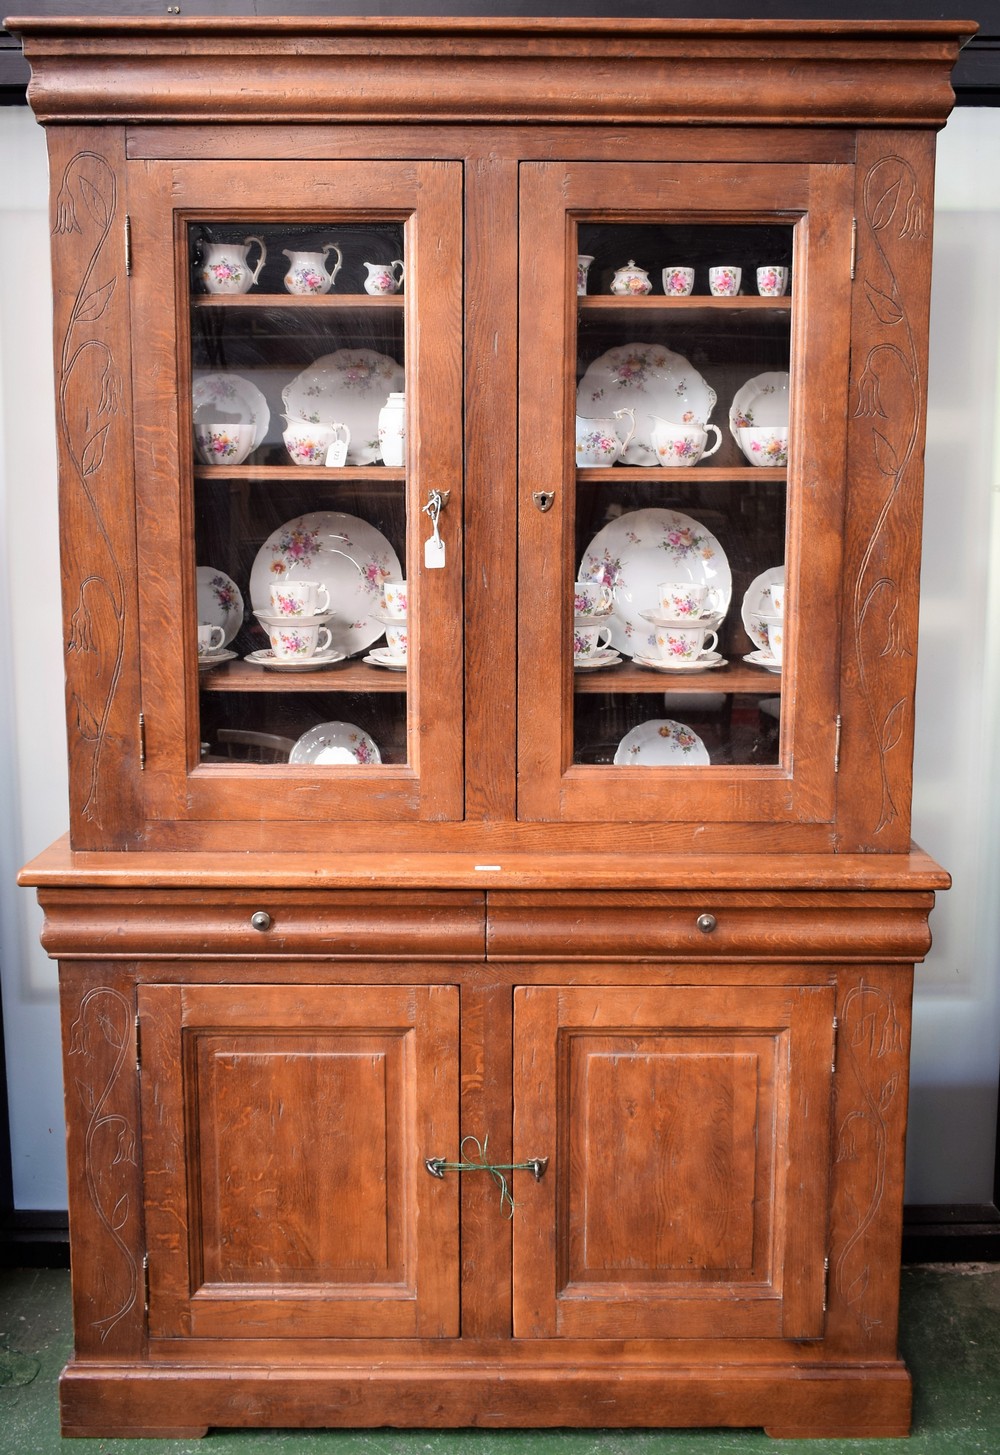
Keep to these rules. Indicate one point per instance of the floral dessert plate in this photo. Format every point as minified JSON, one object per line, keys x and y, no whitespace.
{"x":661,"y":743}
{"x":637,"y":551}
{"x":762,"y":401}
{"x":763,"y":659}
{"x":232,"y":398}
{"x":212,"y":659}
{"x":607,"y":657}
{"x":382,"y":657}
{"x":347,"y":555}
{"x":349,"y":387}
{"x":220,"y":602}
{"x":756,"y":609}
{"x":335,"y":742}
{"x":704,"y":663}
{"x":273,"y":663}
{"x":651,"y":380}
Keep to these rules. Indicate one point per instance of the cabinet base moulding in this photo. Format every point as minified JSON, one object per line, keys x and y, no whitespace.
{"x":850,"y":1401}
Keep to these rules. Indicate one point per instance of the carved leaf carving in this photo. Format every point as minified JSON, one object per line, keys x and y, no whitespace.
{"x":96,"y":202}
{"x":886,"y":308}
{"x":93,"y":304}
{"x":884,"y":205}
{"x":892,"y":728}
{"x":888,"y":1091}
{"x":885,"y":456}
{"x":93,"y":451}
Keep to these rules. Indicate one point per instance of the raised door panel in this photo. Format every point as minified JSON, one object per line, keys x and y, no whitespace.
{"x":610,"y":383}
{"x":229,"y":504}
{"x":279,"y":1128}
{"x":689,"y":1128}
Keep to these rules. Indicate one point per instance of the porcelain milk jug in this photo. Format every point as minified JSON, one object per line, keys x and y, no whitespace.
{"x":224,"y":267}
{"x":309,"y":272}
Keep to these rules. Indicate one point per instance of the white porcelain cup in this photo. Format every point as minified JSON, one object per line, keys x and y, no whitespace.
{"x":772,"y":281}
{"x":685,"y":600}
{"x":210,"y":638}
{"x":777,"y":592}
{"x":765,"y":446}
{"x":219,"y":443}
{"x":724,"y":281}
{"x":775,"y":638}
{"x":298,"y":641}
{"x":394,"y":597}
{"x":678,"y":282}
{"x":684,"y":643}
{"x":592,"y":598}
{"x":589,"y":640}
{"x":683,"y":444}
{"x":397,"y":635}
{"x":299,"y":598}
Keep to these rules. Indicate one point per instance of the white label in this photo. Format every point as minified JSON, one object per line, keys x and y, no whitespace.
{"x":434,"y":553}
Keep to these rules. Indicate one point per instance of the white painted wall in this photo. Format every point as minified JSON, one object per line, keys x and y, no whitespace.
{"x":957,"y":795}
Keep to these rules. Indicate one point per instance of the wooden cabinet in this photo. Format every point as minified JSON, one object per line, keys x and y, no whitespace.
{"x":504,"y":1022}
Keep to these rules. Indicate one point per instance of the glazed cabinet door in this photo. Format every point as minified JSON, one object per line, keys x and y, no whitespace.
{"x":282,"y":1190}
{"x":297,"y":357}
{"x":683,"y":399}
{"x":687,"y":1192}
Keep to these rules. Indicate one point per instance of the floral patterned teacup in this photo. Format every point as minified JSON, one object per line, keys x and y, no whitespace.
{"x":298,"y":641}
{"x":397,"y":636}
{"x":394,"y":597}
{"x":724,"y":282}
{"x":678,"y":282}
{"x":772,"y":281}
{"x":775,"y":638}
{"x":223,"y":444}
{"x":588,"y":641}
{"x":299,"y":598}
{"x":592,"y":599}
{"x":682,"y":444}
{"x":682,"y":601}
{"x":211,"y":639}
{"x":765,"y":445}
{"x":684,"y":643}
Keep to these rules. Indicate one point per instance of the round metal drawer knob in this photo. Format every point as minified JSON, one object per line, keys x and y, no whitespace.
{"x":706,"y":923}
{"x":261,"y":920}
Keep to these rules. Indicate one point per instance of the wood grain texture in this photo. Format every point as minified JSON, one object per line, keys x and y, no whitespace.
{"x":97,"y":520}
{"x":886,"y":419}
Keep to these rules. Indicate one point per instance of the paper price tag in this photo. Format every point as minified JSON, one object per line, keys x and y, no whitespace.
{"x":434,"y":553}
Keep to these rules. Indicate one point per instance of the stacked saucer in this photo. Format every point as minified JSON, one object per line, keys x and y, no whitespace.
{"x":393,"y":620}
{"x":296,"y":625}
{"x":593,"y":603}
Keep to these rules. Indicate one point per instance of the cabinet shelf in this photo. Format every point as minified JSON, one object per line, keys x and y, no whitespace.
{"x":626,"y":677}
{"x":377,"y":474}
{"x":394,"y":303}
{"x":349,"y":676}
{"x":629,"y":474}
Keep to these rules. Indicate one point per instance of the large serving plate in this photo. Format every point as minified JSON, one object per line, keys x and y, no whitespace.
{"x":651,"y":380}
{"x":335,"y":742}
{"x":637,"y":551}
{"x":762,"y":402}
{"x":348,"y":387}
{"x":230,"y":397}
{"x":348,"y":555}
{"x":661,"y":743}
{"x":757,"y":604}
{"x":220,"y":602}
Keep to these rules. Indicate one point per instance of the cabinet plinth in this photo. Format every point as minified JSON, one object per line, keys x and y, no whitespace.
{"x":488,"y":918}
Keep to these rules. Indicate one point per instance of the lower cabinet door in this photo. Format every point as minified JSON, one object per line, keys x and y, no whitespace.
{"x":688,"y":1130}
{"x":280,"y":1130}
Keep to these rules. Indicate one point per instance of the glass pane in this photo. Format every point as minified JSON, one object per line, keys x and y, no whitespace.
{"x":298,"y":370}
{"x":682,"y":494}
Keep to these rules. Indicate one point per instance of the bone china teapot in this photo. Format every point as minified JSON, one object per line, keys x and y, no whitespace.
{"x":224,"y":267}
{"x":310,"y":272}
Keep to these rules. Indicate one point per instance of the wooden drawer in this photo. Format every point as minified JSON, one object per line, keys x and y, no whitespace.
{"x":708,"y":926}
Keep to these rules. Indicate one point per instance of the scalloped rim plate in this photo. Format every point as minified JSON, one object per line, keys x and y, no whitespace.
{"x":661,"y":742}
{"x":761,"y":401}
{"x":232,"y":394}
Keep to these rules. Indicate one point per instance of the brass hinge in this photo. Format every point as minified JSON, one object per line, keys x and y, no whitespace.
{"x":836,"y":743}
{"x":854,"y":246}
{"x":145,"y":1281}
{"x":138,"y":1043}
{"x":833,"y":1052}
{"x":142,"y":742}
{"x":826,"y":1283}
{"x":128,"y":245}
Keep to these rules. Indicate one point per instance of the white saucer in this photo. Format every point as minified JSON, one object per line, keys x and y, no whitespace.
{"x":763,"y":659}
{"x":274,"y":663}
{"x":382,"y":657}
{"x":704,"y":663}
{"x":208,"y":660}
{"x":709,"y":621}
{"x":606,"y":657}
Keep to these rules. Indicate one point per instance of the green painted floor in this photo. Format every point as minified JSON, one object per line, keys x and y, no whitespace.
{"x":950,"y":1339}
